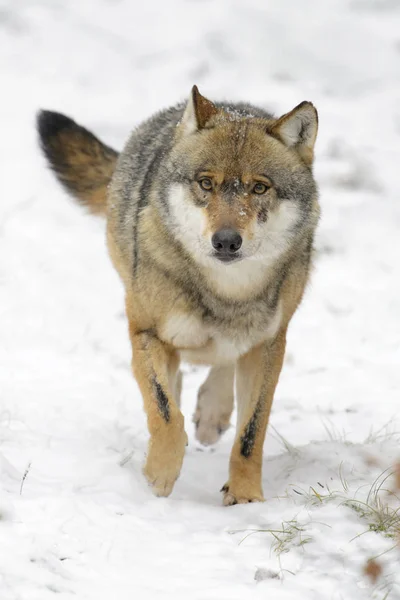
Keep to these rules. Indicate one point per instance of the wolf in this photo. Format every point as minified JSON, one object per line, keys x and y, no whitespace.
{"x":211,"y":210}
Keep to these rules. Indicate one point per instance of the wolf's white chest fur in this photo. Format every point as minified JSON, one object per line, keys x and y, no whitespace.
{"x":201,"y":343}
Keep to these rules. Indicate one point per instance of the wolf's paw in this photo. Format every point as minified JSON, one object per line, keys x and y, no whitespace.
{"x":240,"y":496}
{"x":209,"y":426}
{"x":163,"y":465}
{"x":161,"y":484}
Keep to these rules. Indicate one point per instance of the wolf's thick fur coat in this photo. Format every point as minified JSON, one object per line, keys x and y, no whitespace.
{"x":187,"y":175}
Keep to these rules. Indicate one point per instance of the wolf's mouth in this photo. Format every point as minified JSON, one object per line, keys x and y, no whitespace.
{"x":227,"y":258}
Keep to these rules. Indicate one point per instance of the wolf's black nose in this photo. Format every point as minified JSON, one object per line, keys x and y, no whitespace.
{"x":226,"y":241}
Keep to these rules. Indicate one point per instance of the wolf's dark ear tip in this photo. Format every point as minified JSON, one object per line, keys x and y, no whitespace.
{"x":51,"y":123}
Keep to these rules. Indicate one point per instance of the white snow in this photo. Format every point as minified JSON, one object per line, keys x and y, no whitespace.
{"x":76,"y":516}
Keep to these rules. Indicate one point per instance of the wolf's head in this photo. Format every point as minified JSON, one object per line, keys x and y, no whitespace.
{"x":240,"y":185}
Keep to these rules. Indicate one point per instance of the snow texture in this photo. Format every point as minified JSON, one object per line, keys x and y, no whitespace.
{"x":77,"y":519}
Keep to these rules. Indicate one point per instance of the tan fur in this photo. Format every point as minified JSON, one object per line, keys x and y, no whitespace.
{"x":259,"y":368}
{"x":87,"y":173}
{"x":150,"y":357}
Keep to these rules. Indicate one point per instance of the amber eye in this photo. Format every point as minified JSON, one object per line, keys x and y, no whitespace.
{"x":260,"y":188}
{"x":206,"y":184}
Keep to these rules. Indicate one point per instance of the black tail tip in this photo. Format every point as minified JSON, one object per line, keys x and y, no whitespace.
{"x":49,"y":124}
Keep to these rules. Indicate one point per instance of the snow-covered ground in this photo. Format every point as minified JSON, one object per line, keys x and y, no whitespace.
{"x":76,"y":517}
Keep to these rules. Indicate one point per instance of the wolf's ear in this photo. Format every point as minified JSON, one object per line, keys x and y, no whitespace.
{"x":297,"y":129}
{"x":197,"y":113}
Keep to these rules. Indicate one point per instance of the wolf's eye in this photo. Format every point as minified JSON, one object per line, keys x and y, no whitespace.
{"x":260,"y":188}
{"x":206,"y":184}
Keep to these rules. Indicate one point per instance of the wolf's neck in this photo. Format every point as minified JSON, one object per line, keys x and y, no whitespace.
{"x":239,"y":281}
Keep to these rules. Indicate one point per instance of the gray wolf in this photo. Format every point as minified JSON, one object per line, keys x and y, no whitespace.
{"x":211,"y":211}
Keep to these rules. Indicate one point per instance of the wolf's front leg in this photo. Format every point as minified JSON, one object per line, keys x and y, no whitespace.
{"x":155,"y":368}
{"x":256,"y":378}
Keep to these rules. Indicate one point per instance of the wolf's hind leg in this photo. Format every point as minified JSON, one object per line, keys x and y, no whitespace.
{"x":214,"y":404}
{"x":155,"y":367}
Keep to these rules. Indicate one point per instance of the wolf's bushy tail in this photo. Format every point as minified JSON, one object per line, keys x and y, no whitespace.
{"x":80,"y":161}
